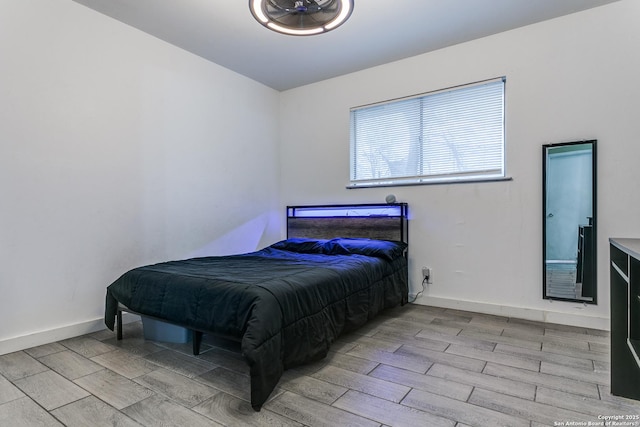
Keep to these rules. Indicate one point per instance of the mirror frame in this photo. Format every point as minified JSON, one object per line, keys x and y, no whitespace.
{"x":545,"y":151}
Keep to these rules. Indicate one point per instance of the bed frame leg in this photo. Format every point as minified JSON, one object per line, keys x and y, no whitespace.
{"x":197,"y":339}
{"x":119,"y":326}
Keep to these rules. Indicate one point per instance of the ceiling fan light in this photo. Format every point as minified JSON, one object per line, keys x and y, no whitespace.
{"x":256,"y":10}
{"x":301,"y":17}
{"x":281,"y":29}
{"x":345,"y":12}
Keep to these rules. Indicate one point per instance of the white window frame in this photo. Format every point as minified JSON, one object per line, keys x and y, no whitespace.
{"x":389,"y":132}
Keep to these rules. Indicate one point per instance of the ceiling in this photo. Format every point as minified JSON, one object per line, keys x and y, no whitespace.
{"x":379,"y":31}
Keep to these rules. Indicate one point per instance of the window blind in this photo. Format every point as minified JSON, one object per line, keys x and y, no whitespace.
{"x":447,"y":135}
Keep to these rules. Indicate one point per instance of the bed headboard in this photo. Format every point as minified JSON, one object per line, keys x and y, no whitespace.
{"x":387,"y":221}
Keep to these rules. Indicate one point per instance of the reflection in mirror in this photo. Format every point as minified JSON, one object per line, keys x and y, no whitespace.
{"x":569,"y":221}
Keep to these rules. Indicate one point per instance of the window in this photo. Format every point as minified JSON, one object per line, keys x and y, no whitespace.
{"x":455,"y":134}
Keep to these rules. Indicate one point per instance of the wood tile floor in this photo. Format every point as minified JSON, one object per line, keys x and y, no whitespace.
{"x":411,"y":366}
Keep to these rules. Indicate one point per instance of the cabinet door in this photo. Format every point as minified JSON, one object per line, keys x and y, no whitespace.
{"x":619,"y":333}
{"x":625,"y":373}
{"x":634,"y":303}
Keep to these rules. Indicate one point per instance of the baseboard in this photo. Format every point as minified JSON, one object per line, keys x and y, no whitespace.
{"x":52,"y":335}
{"x":546,"y":316}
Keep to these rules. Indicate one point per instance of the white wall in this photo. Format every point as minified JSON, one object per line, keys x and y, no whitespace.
{"x":571,"y":78}
{"x":117,"y":150}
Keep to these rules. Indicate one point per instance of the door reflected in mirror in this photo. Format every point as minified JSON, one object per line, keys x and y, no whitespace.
{"x":569,"y":221}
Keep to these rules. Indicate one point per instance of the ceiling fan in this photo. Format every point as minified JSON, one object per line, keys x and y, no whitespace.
{"x":301,"y":17}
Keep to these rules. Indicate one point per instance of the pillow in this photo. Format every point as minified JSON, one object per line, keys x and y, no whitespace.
{"x":300,"y":245}
{"x":386,"y":249}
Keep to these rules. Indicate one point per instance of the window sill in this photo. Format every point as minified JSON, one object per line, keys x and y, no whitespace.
{"x":431,"y":182}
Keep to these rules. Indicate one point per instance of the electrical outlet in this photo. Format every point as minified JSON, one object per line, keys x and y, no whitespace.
{"x":426,"y":274}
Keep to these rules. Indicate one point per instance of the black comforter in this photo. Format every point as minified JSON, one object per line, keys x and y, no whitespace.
{"x":286,"y":307}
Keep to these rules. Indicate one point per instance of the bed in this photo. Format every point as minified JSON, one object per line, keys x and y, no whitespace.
{"x":339,"y":266}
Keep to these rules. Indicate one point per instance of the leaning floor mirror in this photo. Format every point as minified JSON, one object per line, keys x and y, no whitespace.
{"x":569,"y":221}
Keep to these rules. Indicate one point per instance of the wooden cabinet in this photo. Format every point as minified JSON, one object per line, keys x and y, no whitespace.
{"x":625,"y":317}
